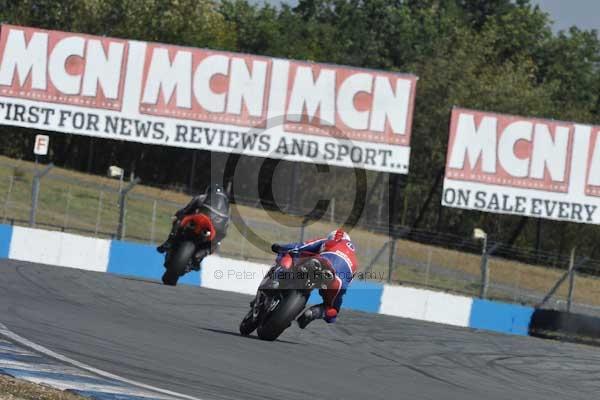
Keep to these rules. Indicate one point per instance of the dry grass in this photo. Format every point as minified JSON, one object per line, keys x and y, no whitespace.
{"x":84,"y":190}
{"x":16,"y":389}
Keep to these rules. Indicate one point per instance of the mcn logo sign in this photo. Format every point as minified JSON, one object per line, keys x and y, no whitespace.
{"x":526,"y":166}
{"x":205,"y":99}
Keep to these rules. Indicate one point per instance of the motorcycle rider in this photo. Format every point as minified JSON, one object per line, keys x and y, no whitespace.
{"x":337,"y":252}
{"x":214,"y":204}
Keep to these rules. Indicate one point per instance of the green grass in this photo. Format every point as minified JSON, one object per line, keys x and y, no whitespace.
{"x":77,"y":202}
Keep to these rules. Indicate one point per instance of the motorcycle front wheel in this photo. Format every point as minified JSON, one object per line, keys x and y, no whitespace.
{"x":248,"y":324}
{"x":281,"y":318}
{"x":177,"y":262}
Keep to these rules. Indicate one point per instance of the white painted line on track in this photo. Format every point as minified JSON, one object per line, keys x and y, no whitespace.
{"x":4,"y":331}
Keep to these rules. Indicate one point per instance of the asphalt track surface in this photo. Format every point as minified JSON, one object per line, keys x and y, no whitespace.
{"x":185,"y":339}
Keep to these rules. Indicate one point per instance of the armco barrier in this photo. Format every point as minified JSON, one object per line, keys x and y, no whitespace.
{"x":500,"y":317}
{"x":139,"y":260}
{"x":360,"y":296}
{"x":426,"y":305}
{"x":143,"y":261}
{"x":5,"y":238}
{"x":58,"y":248}
{"x":232,"y":275}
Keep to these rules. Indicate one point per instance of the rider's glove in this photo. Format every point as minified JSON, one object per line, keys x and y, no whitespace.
{"x":330,"y":315}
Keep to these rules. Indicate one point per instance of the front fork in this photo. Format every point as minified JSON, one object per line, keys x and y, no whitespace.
{"x":320,"y":279}
{"x":258,"y":306}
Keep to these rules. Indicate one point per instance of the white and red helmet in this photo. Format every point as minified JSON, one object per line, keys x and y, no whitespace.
{"x":337,"y":235}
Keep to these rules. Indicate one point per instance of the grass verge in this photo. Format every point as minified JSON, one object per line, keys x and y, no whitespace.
{"x":16,"y":389}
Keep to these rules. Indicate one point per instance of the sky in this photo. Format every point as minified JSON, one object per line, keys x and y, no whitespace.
{"x":566,"y":13}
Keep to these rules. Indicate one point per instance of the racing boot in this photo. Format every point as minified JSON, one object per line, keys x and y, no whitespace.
{"x":310,"y":314}
{"x":166,"y":246}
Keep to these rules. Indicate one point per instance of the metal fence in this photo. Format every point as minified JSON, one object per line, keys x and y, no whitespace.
{"x":96,"y":206}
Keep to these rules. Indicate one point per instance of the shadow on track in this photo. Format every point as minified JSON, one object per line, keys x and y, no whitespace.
{"x":230,"y":333}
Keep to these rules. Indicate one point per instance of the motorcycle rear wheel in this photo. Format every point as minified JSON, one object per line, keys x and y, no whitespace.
{"x":281,"y":318}
{"x":177,"y":262}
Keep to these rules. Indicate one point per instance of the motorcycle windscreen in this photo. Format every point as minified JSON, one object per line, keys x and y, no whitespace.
{"x":217,"y":205}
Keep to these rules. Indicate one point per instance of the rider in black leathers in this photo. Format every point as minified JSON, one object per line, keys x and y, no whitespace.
{"x":214,"y":203}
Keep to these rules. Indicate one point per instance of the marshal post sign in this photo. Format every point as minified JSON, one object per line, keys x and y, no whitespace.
{"x":204,"y":99}
{"x":523,"y":166}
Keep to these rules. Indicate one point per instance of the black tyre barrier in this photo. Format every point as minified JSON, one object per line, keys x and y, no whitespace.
{"x":565,"y":326}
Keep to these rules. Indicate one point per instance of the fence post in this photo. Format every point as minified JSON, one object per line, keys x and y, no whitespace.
{"x":391,"y":258}
{"x":380,"y":206}
{"x":123,"y":207}
{"x":99,"y":214}
{"x":35,"y":187}
{"x":571,"y":279}
{"x":153,"y":222}
{"x":376,"y":258}
{"x":562,"y":279}
{"x":244,"y":240}
{"x":485,"y":272}
{"x":332,"y":216}
{"x":517,"y":292}
{"x":428,"y":268}
{"x":67,"y":206}
{"x":8,"y":193}
{"x":35,"y":191}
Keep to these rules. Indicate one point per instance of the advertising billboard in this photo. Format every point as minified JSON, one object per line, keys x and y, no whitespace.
{"x":204,"y":99}
{"x":523,"y":166}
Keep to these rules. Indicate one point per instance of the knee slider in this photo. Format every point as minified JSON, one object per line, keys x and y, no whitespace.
{"x":330,"y":314}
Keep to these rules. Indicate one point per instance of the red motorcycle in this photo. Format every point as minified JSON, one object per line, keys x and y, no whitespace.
{"x":191,"y":244}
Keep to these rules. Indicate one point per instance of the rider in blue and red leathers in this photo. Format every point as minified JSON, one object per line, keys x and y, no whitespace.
{"x":337,"y":253}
